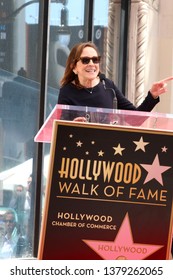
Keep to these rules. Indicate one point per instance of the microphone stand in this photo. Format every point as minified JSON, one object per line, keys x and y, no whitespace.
{"x":115,"y":106}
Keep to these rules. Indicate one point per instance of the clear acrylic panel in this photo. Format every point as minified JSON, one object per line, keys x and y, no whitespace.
{"x":112,"y":117}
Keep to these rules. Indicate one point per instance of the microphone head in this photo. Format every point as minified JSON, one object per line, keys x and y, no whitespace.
{"x":102,"y":77}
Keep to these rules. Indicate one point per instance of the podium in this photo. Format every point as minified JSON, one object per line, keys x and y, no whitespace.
{"x":109,"y":192}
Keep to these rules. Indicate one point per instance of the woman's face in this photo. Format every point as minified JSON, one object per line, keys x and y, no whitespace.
{"x":90,"y":70}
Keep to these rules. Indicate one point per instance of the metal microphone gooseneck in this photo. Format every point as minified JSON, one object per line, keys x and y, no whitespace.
{"x":102,"y":78}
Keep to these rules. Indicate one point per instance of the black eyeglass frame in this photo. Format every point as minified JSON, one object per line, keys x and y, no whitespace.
{"x":9,"y":221}
{"x":86,"y":59}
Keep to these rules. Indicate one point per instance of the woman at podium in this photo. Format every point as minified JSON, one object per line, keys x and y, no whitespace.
{"x":83,"y":84}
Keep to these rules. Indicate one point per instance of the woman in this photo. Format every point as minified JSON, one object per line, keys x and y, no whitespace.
{"x":84,"y":85}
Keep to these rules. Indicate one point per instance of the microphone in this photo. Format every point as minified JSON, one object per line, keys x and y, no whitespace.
{"x":102,"y":79}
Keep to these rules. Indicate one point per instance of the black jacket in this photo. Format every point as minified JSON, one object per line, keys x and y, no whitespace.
{"x":102,"y":96}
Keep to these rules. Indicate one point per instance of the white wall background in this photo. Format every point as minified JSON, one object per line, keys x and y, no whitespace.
{"x":165,"y":52}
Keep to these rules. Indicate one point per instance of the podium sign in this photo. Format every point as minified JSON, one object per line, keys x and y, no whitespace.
{"x":109,"y":193}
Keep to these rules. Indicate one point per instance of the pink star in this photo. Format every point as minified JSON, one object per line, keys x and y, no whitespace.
{"x":164,"y":149}
{"x":123,"y":246}
{"x":155,"y":170}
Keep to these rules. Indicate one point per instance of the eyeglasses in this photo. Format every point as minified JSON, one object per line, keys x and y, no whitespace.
{"x":9,"y":221}
{"x":86,"y":59}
